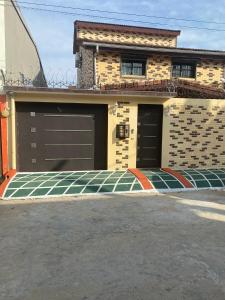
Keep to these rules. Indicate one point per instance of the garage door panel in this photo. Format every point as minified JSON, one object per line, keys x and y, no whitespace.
{"x":68,"y":122}
{"x":69,"y":151}
{"x":67,"y":137}
{"x":61,"y":137}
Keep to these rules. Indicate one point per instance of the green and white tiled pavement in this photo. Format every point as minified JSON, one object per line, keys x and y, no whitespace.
{"x":33,"y":185}
{"x":53,"y":184}
{"x":208,"y":178}
{"x":161,"y":180}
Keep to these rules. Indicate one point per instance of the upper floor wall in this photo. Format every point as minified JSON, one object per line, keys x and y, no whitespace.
{"x":110,"y":53}
{"x":120,"y":34}
{"x":109,"y":69}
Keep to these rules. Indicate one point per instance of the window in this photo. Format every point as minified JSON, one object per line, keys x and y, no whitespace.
{"x":133,"y":67}
{"x":185,"y":70}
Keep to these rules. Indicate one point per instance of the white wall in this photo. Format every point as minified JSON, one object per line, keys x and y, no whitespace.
{"x":2,"y":42}
{"x":21,"y":55}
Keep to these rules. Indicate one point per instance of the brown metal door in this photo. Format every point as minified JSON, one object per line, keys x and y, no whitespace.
{"x":61,"y":137}
{"x":149,"y":136}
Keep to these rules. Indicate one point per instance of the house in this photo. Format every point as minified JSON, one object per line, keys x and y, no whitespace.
{"x":141,"y":103}
{"x":19,"y":58}
{"x":111,"y":53}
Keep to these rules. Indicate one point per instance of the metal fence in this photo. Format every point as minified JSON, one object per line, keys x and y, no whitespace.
{"x":51,"y":79}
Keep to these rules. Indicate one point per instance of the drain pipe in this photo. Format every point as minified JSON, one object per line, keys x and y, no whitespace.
{"x":95,"y":68}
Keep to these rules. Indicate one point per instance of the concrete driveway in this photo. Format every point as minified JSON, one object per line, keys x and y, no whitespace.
{"x":123,"y":247}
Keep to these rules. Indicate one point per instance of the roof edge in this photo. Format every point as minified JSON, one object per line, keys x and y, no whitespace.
{"x":125,"y":28}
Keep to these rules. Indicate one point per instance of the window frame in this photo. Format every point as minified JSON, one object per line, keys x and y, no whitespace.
{"x":133,"y":60}
{"x":182,"y":63}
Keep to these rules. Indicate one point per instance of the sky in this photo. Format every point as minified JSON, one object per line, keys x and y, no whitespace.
{"x":53,"y":33}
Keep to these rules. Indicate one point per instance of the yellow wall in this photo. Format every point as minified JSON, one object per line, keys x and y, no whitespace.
{"x":193,"y":129}
{"x":126,"y":38}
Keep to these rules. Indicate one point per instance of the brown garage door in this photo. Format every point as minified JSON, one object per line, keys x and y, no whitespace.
{"x":61,"y":137}
{"x":149,"y":136}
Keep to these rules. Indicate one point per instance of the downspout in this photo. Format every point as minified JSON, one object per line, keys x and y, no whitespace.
{"x":95,"y":68}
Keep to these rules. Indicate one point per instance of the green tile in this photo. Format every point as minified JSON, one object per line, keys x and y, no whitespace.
{"x":111,"y":180}
{"x":159,"y":185}
{"x":202,"y":184}
{"x":65,"y":182}
{"x":22,"y":193}
{"x":117,"y":174}
{"x":210,"y":176}
{"x":167,"y":177}
{"x":198,"y":177}
{"x":32,"y":184}
{"x":223,"y":180}
{"x":123,"y":188}
{"x":40,"y":192}
{"x":49,"y":183}
{"x":81,"y":182}
{"x":74,"y":190}
{"x":15,"y":185}
{"x":216,"y":183}
{"x":137,"y":187}
{"x":220,"y":175}
{"x":9,"y":192}
{"x":96,"y":181}
{"x":58,"y":191}
{"x":153,"y":178}
{"x":126,"y":180}
{"x":91,"y":189}
{"x":42,"y":178}
{"x":107,"y":188}
{"x":174,"y":184}
{"x":101,"y":176}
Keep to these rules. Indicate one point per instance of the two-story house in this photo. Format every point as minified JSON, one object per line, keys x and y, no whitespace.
{"x":110,"y":54}
{"x":141,"y":102}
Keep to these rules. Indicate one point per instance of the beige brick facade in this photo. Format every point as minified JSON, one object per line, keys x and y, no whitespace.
{"x":126,"y":38}
{"x":108,"y":69}
{"x":158,"y":67}
{"x":196,"y":133}
{"x":122,"y":146}
{"x":210,"y":71}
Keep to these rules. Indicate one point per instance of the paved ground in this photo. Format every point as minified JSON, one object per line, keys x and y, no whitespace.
{"x":123,"y":247}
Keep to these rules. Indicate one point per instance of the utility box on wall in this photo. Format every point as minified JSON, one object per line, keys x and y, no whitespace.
{"x":122,"y":131}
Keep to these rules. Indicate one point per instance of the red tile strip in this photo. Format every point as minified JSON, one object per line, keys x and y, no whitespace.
{"x":9,"y":175}
{"x":180,"y":177}
{"x":142,"y":178}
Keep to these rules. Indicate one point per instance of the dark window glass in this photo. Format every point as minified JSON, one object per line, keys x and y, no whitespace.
{"x":133,"y":67}
{"x":185,"y":70}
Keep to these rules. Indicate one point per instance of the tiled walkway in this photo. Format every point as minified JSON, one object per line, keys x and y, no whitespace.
{"x":46,"y":184}
{"x":210,"y":178}
{"x":70,"y":183}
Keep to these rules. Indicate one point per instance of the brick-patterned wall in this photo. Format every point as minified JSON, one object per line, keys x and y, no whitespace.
{"x":158,"y":67}
{"x":210,"y":72}
{"x":85,"y":74}
{"x":126,"y":38}
{"x":196,"y":133}
{"x":122,"y":146}
{"x":108,"y":69}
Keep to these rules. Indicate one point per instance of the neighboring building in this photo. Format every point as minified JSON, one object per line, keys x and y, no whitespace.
{"x":20,"y":63}
{"x":110,"y":54}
